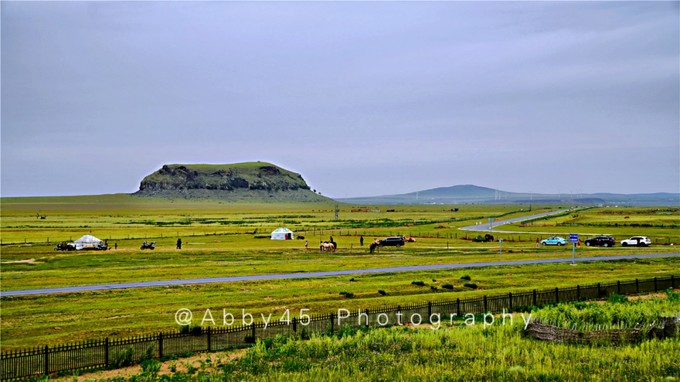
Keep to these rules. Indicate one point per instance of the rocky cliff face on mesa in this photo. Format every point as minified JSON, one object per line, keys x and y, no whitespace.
{"x":255,"y":180}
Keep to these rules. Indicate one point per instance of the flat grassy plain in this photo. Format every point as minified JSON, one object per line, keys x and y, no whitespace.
{"x":458,"y":352}
{"x":221,"y":239}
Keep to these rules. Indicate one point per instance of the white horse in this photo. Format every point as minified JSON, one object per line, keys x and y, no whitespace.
{"x":327,"y":247}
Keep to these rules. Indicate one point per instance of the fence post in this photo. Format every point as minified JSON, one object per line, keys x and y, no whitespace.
{"x":106,"y":352}
{"x":294,"y":325}
{"x":429,"y":309}
{"x":160,"y":345}
{"x":510,"y":301}
{"x":47,"y":360}
{"x":535,"y":304}
{"x":209,"y":339}
{"x":578,"y":293}
{"x":252,"y":331}
{"x":458,"y":307}
{"x":637,"y":286}
{"x":655,"y":288}
{"x":368,"y":318}
{"x":332,"y":323}
{"x":557,"y":295}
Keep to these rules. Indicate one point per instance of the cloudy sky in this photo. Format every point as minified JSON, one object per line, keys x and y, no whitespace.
{"x":361,"y":98}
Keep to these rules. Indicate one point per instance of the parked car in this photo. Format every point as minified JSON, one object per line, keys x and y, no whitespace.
{"x":64,"y":246}
{"x":637,"y":241}
{"x":150,"y":246}
{"x":486,"y":239}
{"x":554,"y":240}
{"x":395,"y":241}
{"x":600,"y":241}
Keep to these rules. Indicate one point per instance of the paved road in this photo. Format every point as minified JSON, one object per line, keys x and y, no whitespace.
{"x":489,"y":226}
{"x":91,"y":288}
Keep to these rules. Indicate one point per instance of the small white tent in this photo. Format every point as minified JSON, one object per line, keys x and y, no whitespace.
{"x":89,"y":242}
{"x":282,"y":234}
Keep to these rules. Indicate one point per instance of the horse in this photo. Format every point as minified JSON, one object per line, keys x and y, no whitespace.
{"x":327,"y":247}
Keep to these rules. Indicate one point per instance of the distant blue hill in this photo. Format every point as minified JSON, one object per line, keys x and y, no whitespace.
{"x":469,"y":194}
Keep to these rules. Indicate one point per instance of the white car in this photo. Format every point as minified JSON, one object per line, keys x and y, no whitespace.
{"x":637,"y":241}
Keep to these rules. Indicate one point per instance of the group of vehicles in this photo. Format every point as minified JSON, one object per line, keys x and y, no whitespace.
{"x":602,"y":241}
{"x":394,"y":241}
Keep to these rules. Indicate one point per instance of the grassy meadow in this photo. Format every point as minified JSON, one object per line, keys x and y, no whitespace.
{"x":223,"y":239}
{"x":457,"y":351}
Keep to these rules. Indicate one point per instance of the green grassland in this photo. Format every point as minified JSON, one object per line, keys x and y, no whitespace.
{"x":662,"y":224}
{"x":458,"y":351}
{"x":54,"y":319}
{"x":231,"y":239}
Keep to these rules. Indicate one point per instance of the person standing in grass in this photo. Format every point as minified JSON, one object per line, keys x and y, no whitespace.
{"x":179,"y":243}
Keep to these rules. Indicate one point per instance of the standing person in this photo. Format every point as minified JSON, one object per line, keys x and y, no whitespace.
{"x":115,"y":245}
{"x":537,"y":243}
{"x":361,"y":240}
{"x":306,"y":244}
{"x":179,"y":243}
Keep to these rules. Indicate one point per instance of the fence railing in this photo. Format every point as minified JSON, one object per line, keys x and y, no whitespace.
{"x":106,"y":353}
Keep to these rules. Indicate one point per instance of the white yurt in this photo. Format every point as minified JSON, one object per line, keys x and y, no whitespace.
{"x":88,"y":242}
{"x":282,"y":234}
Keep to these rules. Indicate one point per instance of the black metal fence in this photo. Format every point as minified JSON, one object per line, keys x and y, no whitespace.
{"x":107,"y":353}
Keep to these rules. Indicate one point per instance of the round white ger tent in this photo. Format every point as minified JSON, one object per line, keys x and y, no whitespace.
{"x":89,"y":242}
{"x":282,"y":234}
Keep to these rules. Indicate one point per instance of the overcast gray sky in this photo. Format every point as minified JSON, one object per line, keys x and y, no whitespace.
{"x":361,"y":98}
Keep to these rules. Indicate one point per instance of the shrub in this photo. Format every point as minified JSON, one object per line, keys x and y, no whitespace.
{"x":151,"y":367}
{"x":617,"y":299}
{"x":470,"y":285}
{"x":149,"y":353}
{"x":122,"y":358}
{"x":191,"y":369}
{"x":466,"y":278}
{"x":418,"y":283}
{"x":447,"y":286}
{"x":382,"y":292}
{"x":347,"y":294}
{"x":345,"y":331}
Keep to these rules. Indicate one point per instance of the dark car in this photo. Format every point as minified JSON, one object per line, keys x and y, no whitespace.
{"x":395,"y":241}
{"x":64,"y":246}
{"x":600,"y":241}
{"x":150,"y":246}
